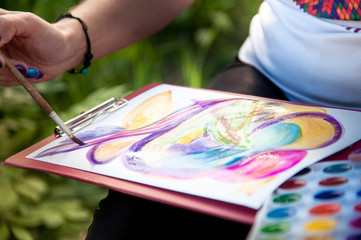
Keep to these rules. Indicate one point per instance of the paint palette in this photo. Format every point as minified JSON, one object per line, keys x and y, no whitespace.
{"x":320,"y":202}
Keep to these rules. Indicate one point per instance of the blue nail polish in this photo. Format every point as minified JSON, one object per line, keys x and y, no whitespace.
{"x":1,"y":64}
{"x":32,"y":73}
{"x":21,"y":69}
{"x":40,"y":75}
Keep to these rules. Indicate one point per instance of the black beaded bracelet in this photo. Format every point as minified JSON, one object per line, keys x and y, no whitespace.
{"x":88,"y":55}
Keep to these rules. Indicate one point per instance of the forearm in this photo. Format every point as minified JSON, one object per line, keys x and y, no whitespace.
{"x":52,"y":49}
{"x":115,"y":24}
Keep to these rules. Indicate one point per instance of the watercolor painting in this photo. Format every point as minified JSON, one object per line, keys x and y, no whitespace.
{"x":240,"y":145}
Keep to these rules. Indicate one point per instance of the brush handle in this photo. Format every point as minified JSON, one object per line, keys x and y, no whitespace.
{"x":39,"y":99}
{"x":27,"y":85}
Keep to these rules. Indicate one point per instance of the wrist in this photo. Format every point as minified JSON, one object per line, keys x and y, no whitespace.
{"x":75,"y":42}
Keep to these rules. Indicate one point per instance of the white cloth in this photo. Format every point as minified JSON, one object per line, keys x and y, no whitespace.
{"x":313,"y":60}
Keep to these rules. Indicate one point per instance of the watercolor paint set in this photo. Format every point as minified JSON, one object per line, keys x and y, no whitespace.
{"x":320,"y":202}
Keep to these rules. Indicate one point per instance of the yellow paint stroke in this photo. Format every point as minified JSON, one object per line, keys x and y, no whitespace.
{"x":299,"y":108}
{"x":315,"y":132}
{"x":149,"y":111}
{"x":109,"y":150}
{"x":250,"y":187}
{"x":191,"y":136}
{"x":279,"y":110}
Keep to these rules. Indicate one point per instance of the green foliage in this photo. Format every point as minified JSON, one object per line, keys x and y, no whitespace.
{"x":189,"y":51}
{"x":40,"y":206}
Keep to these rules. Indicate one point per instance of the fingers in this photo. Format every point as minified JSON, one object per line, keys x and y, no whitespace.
{"x":3,"y":11}
{"x":10,"y":26}
{"x":15,"y":25}
{"x":31,"y":73}
{"x":31,"y":40}
{"x":18,"y":24}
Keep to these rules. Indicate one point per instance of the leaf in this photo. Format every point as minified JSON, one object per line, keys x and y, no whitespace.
{"x":47,"y":213}
{"x":24,"y":190}
{"x":28,"y":220}
{"x":4,"y":232}
{"x":52,"y":218}
{"x":222,"y":21}
{"x":32,"y":188}
{"x":73,"y":210}
{"x":78,"y":215}
{"x":61,"y":191}
{"x":205,"y":37}
{"x":9,"y":198}
{"x":36,"y":184}
{"x":21,"y":233}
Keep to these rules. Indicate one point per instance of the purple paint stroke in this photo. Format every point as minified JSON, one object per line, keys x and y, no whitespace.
{"x":184,"y":114}
{"x":164,"y":125}
{"x":156,"y":129}
{"x":69,"y":146}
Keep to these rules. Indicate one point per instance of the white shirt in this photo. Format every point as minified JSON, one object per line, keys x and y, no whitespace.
{"x":312,"y":59}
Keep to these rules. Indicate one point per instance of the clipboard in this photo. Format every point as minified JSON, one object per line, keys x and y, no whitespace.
{"x":221,"y":209}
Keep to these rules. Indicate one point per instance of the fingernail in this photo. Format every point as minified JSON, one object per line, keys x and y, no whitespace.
{"x":1,"y":64}
{"x":21,"y":69}
{"x":41,"y":74}
{"x":32,"y":73}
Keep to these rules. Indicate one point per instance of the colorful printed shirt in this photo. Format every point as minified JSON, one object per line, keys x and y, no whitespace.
{"x":311,"y":49}
{"x":332,"y":9}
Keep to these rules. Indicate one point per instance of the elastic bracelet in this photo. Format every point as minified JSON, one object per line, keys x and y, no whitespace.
{"x":88,"y":55}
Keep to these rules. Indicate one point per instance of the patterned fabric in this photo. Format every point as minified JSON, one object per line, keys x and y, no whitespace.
{"x":333,"y":9}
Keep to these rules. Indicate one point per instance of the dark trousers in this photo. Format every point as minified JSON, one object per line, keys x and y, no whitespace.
{"x":121,"y":216}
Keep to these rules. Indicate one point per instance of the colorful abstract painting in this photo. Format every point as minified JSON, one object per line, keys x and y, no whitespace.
{"x":210,"y":144}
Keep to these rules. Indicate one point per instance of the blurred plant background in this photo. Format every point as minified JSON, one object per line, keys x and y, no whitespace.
{"x":35,"y":205}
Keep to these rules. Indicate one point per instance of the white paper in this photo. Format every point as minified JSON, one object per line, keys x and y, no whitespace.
{"x":206,"y":143}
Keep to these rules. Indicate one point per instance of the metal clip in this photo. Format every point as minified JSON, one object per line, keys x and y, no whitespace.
{"x":89,"y":116}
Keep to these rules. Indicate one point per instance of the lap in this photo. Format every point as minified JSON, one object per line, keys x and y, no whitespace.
{"x":122,"y":216}
{"x":242,"y":78}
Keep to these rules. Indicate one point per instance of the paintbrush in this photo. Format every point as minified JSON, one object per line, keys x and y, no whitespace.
{"x":40,"y":100}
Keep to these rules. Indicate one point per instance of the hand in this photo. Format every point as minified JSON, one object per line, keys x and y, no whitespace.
{"x":40,"y":50}
{"x":47,"y":50}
